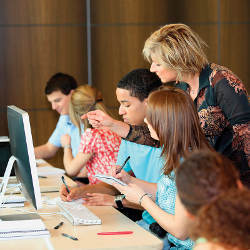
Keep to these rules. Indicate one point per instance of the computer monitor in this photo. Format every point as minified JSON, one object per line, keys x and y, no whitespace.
{"x":23,"y":156}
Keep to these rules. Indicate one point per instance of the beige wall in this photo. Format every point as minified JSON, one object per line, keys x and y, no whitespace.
{"x":42,"y":37}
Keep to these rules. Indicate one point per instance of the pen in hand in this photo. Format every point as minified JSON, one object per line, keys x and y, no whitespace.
{"x":124,"y":163}
{"x":63,"y":180}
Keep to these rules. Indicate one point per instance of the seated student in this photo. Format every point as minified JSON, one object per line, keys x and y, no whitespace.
{"x":201,"y":179}
{"x":99,"y":147}
{"x":172,"y":119}
{"x":224,"y":224}
{"x":145,"y":162}
{"x":58,"y":91}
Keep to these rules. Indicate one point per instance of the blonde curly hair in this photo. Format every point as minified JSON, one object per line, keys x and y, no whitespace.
{"x":177,"y":47}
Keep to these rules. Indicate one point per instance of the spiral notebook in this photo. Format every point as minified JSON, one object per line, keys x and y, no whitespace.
{"x":22,"y":226}
{"x":109,"y":179}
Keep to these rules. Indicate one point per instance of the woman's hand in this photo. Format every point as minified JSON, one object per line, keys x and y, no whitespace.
{"x":98,"y":118}
{"x":132,"y":192}
{"x":65,"y":140}
{"x":123,"y":175}
{"x":97,"y":199}
{"x":75,"y":193}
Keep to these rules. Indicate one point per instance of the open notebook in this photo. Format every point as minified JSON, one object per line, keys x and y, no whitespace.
{"x":22,"y":226}
{"x":109,"y":179}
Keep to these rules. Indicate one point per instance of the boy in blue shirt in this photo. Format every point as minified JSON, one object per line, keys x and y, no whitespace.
{"x":58,"y":91}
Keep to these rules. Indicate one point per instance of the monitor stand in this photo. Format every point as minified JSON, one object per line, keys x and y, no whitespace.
{"x":6,"y":177}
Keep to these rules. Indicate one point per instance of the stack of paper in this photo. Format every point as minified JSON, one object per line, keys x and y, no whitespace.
{"x":12,"y":201}
{"x":49,"y":170}
{"x":21,"y":226}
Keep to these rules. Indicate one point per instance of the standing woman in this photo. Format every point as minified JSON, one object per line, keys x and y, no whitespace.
{"x":176,"y":54}
{"x":99,"y":148}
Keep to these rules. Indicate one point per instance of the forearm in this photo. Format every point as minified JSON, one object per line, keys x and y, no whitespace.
{"x":120,"y":128}
{"x":67,"y":159}
{"x":141,"y":135}
{"x":45,"y":151}
{"x":167,"y":221}
{"x":129,"y":204}
{"x":148,"y":187}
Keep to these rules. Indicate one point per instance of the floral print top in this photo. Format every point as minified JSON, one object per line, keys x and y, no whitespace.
{"x":224,"y":112}
{"x":104,"y":145}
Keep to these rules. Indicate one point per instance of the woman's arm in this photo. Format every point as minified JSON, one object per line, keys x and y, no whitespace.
{"x":72,"y":165}
{"x":147,"y":187}
{"x":137,"y":134}
{"x":176,"y":224}
{"x":99,"y":119}
{"x":231,"y":97}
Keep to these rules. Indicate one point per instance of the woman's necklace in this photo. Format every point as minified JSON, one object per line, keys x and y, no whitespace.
{"x":193,"y":91}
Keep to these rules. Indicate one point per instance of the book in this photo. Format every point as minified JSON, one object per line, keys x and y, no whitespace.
{"x":22,"y":226}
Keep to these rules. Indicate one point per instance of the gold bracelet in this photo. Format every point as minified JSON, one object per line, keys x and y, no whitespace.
{"x":140,"y":200}
{"x":67,"y":146}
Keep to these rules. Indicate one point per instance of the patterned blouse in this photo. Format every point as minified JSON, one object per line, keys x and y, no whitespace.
{"x":224,"y":113}
{"x":104,"y":145}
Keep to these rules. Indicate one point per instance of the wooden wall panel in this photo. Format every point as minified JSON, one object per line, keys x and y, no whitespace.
{"x":235,"y":38}
{"x":42,"y":125}
{"x":38,"y":39}
{"x":235,"y":55}
{"x":235,"y":11}
{"x":36,"y":53}
{"x":152,"y":12}
{"x":119,"y":52}
{"x":30,"y":12}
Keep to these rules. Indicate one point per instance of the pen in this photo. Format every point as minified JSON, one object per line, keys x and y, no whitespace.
{"x":115,"y":233}
{"x":59,"y":225}
{"x":65,"y":184}
{"x":69,"y":236}
{"x":124,"y":163}
{"x":41,"y":176}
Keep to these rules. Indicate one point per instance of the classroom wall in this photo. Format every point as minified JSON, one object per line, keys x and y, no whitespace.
{"x":42,"y":37}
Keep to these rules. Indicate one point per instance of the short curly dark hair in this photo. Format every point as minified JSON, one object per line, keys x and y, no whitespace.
{"x":62,"y":82}
{"x":226,"y":219}
{"x":140,"y":82}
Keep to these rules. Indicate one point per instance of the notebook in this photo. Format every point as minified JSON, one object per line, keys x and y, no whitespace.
{"x":22,"y":226}
{"x":109,"y":179}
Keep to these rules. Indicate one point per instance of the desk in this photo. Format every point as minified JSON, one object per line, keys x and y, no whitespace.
{"x":112,"y":220}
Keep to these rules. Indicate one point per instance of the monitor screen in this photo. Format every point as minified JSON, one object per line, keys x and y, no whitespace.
{"x":21,"y":145}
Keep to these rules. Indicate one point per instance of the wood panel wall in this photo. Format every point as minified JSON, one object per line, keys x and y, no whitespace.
{"x":39,"y":38}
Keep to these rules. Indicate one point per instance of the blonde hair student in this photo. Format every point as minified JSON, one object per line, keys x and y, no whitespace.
{"x":84,"y":99}
{"x":99,"y":148}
